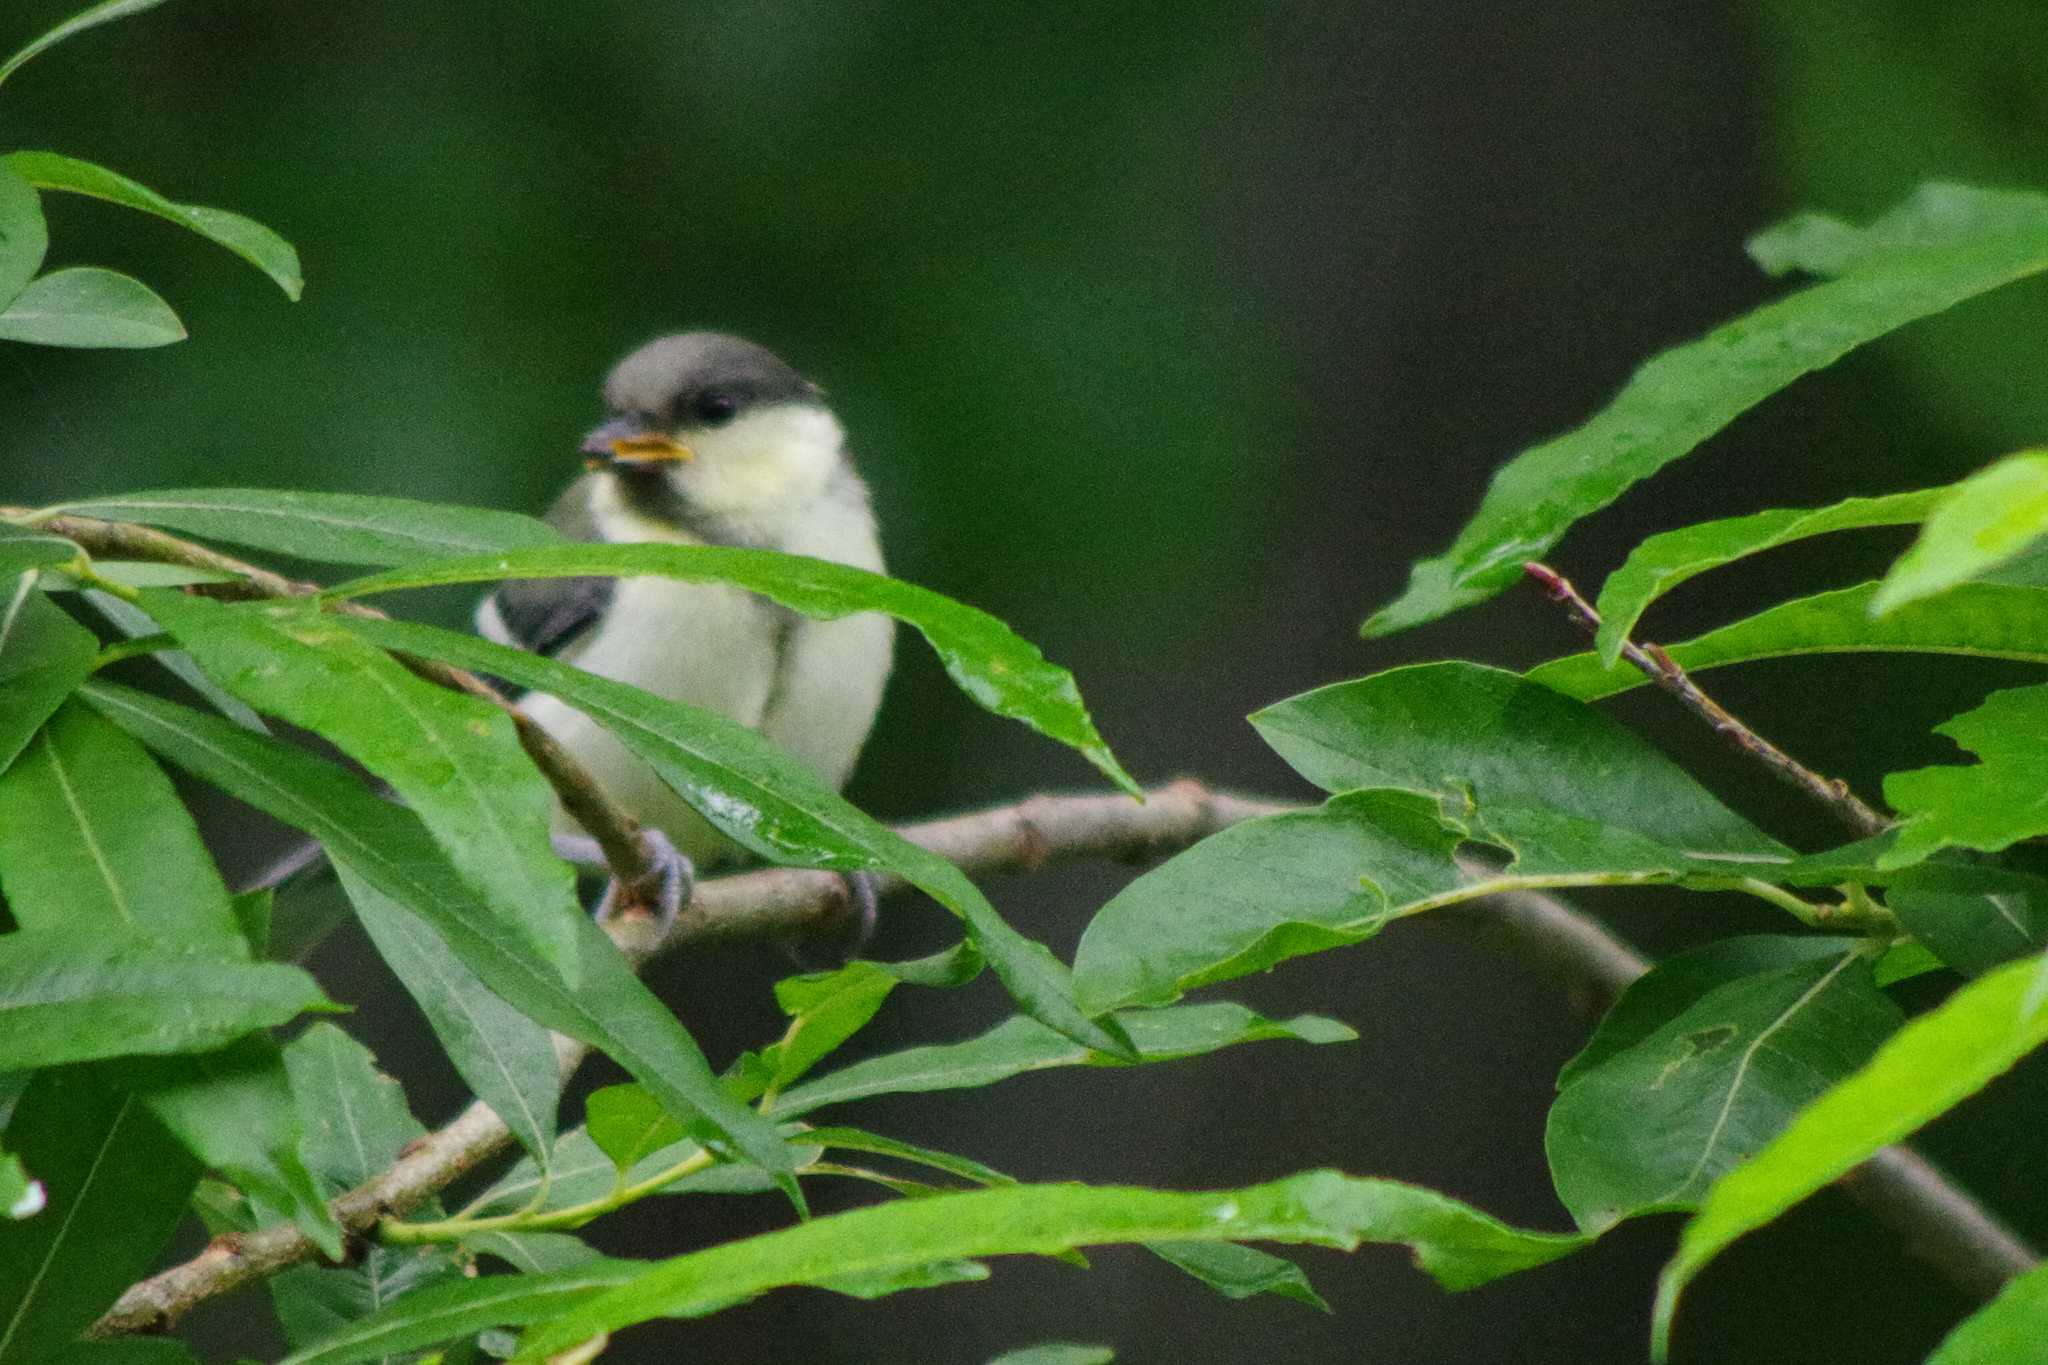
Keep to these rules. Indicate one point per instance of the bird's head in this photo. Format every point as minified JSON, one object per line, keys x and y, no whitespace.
{"x":716,"y":423}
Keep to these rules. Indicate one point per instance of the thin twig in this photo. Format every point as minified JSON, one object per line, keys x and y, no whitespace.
{"x":1660,"y":668}
{"x":1940,"y":1222}
{"x":617,"y":833}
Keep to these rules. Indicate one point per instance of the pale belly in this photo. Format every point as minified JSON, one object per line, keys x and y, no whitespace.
{"x":811,"y":687}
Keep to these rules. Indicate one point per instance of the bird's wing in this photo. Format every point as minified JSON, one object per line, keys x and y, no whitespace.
{"x":543,"y":615}
{"x":546,"y":615}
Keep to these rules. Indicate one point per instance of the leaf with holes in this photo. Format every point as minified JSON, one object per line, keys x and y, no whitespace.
{"x":1701,"y":1062}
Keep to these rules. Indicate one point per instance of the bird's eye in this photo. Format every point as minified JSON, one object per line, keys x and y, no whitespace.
{"x":715,"y":408}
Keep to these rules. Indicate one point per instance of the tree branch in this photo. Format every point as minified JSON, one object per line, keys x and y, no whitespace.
{"x":1940,"y":1222}
{"x":1660,"y":668}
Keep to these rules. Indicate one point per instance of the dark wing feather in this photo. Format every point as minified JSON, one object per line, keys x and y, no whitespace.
{"x":544,"y":615}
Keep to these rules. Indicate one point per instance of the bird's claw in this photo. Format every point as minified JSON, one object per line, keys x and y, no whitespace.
{"x":666,"y":889}
{"x":841,"y":938}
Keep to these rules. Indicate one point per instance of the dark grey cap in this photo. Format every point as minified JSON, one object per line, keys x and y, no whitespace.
{"x":671,"y":378}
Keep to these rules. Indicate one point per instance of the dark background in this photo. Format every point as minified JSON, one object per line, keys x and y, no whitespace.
{"x":1171,"y":333}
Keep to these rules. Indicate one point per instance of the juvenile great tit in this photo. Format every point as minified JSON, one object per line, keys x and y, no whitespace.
{"x":710,"y":440}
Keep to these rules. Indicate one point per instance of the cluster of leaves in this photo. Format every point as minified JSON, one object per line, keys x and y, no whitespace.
{"x":88,"y":305}
{"x":1736,"y":1079}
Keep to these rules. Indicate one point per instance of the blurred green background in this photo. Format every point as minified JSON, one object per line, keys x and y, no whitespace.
{"x":1170,"y":332}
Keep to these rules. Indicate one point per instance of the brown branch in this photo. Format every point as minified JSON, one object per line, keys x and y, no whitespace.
{"x":1940,"y":1222}
{"x":617,"y":833}
{"x":1660,"y":668}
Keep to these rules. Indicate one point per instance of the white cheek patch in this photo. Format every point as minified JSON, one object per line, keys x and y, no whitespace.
{"x":778,"y":455}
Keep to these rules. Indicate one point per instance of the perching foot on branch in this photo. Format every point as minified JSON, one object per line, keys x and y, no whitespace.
{"x":662,"y":895}
{"x":837,"y":939}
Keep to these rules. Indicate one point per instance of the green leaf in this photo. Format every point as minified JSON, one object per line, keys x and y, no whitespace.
{"x":1927,"y":255}
{"x":44,"y":656}
{"x":72,"y":997}
{"x":627,"y":1124}
{"x":1018,"y":1045}
{"x":22,"y":550}
{"x":315,"y":1303}
{"x":1056,"y":1353}
{"x":1703,"y":1061}
{"x":117,"y":1186}
{"x":462,"y":1308}
{"x":2006,"y":1331}
{"x":534,"y":1253}
{"x":94,"y":839}
{"x":356,"y":1119}
{"x":24,"y":236}
{"x":103,"y":13}
{"x":1458,"y":1245}
{"x":1259,"y":892}
{"x":1664,"y":561}
{"x":1988,"y":805}
{"x":1969,"y":929}
{"x":1541,"y":774}
{"x":1002,"y":672}
{"x":250,"y":240}
{"x":881,"y":1284}
{"x":233,"y":1109}
{"x":456,"y":760}
{"x":332,"y":528}
{"x":859,"y":1140}
{"x":88,"y":306}
{"x":1240,"y":1272}
{"x":1980,"y":524}
{"x":1927,"y":1068}
{"x":1981,"y":620}
{"x":1903,"y":961}
{"x":507,"y":1059}
{"x":767,"y":801}
{"x":582,"y":1172}
{"x":135,"y":623}
{"x":825,"y":1010}
{"x":21,"y":1196}
{"x":388,"y":848}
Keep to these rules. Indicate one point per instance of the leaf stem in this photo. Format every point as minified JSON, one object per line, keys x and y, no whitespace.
{"x":1660,"y":668}
{"x":399,"y":1233}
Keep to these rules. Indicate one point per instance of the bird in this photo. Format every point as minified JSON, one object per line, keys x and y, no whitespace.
{"x":708,"y":439}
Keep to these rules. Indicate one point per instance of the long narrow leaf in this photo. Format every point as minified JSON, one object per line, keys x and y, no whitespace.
{"x":464,"y":1308}
{"x":250,"y":240}
{"x":103,"y":13}
{"x":507,"y":1058}
{"x":455,"y":760}
{"x":44,"y":656}
{"x":1980,"y":620}
{"x":389,"y":849}
{"x":71,"y":997}
{"x":769,"y":803}
{"x":117,"y":1186}
{"x":1943,"y":246}
{"x":1664,"y":561}
{"x":335,"y":528}
{"x":1458,"y":1245}
{"x":94,"y":839}
{"x":992,"y":664}
{"x":1927,"y":1068}
{"x":233,"y":1110}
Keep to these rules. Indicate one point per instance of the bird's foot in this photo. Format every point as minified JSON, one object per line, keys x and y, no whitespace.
{"x":845,"y":932}
{"x":661,"y":895}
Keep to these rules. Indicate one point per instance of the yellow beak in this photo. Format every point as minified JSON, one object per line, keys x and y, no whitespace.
{"x":651,"y":448}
